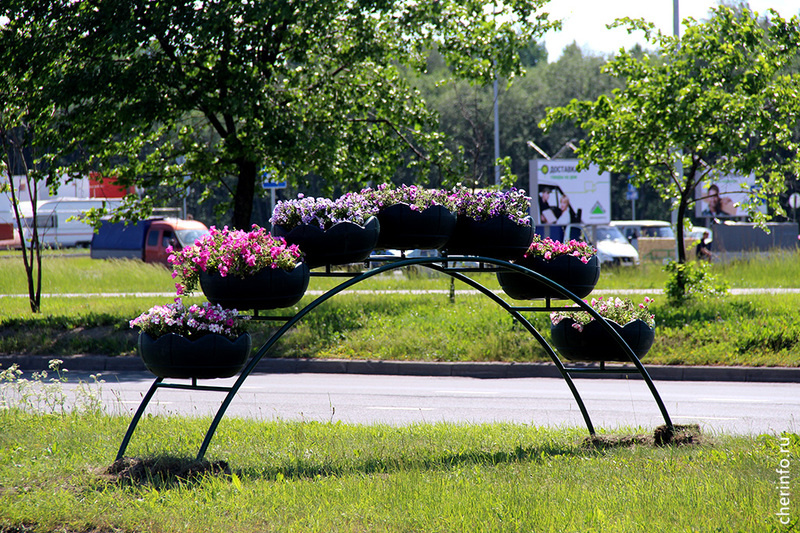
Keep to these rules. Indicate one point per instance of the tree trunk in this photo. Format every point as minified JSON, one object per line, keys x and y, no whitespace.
{"x":679,"y":231}
{"x":680,"y":273}
{"x":244,"y":194}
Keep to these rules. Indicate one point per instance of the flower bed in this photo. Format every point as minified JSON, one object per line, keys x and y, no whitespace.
{"x":191,"y":322}
{"x":617,"y":310}
{"x":231,"y":253}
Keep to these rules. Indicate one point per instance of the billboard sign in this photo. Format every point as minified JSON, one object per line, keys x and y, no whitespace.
{"x":721,"y":196}
{"x":567,"y":195}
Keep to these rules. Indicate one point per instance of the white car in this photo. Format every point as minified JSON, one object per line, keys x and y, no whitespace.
{"x":612,"y":246}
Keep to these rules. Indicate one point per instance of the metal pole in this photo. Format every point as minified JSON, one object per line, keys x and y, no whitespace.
{"x":676,"y":19}
{"x":496,"y":134}
{"x":676,"y":31}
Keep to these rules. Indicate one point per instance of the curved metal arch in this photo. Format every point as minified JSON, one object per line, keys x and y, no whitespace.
{"x":513,"y":310}
{"x":439,"y":264}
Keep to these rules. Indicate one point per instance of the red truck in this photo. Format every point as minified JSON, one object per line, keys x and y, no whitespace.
{"x":146,"y":240}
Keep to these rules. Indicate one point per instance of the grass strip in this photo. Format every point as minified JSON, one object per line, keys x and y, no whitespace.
{"x":755,"y":330}
{"x":752,"y":330}
{"x":320,"y":477}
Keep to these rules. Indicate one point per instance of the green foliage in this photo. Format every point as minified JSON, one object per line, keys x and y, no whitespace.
{"x":755,"y":330}
{"x":216,"y":94}
{"x":692,"y":280}
{"x":720,"y":99}
{"x":43,"y":392}
{"x":465,"y":111}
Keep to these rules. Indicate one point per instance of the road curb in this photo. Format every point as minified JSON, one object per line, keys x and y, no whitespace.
{"x":490,"y":370}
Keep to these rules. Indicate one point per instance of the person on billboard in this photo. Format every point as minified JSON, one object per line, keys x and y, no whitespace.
{"x":560,"y":214}
{"x":547,"y":212}
{"x":717,"y":205}
{"x":568,"y":214}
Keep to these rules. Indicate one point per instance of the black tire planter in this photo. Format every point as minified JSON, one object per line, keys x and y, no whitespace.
{"x":497,"y":237}
{"x":269,"y":288}
{"x":594,"y":343}
{"x":342,"y":243}
{"x":207,"y":357}
{"x":403,"y":228}
{"x":568,"y":271}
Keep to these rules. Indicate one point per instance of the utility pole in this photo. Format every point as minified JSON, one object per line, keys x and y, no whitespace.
{"x":496,"y":131}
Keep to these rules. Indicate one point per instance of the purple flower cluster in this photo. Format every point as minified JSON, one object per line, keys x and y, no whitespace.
{"x":548,"y":248}
{"x":358,"y":207}
{"x":417,"y":198}
{"x":323,"y":212}
{"x":190,"y":322}
{"x":230,"y":253}
{"x":614,"y":309}
{"x":484,"y":204}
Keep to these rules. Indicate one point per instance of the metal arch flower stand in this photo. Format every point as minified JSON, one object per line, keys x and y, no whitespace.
{"x":445,"y":264}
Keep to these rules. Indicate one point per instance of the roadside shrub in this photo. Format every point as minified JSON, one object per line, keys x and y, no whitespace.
{"x":692,"y":280}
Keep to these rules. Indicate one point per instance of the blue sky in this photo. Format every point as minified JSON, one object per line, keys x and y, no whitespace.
{"x":585,"y":20}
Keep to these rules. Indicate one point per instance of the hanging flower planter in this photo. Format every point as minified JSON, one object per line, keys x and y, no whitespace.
{"x":570,"y":272}
{"x":579,"y":337}
{"x":269,"y":288}
{"x":497,"y":237}
{"x":329,"y":232}
{"x":208,"y":357}
{"x":594,"y":343}
{"x":491,"y":223}
{"x":404,"y":228}
{"x":412,"y":217}
{"x":573,"y":265}
{"x":344,"y":242}
{"x":200,"y":341}
{"x":242,"y":270}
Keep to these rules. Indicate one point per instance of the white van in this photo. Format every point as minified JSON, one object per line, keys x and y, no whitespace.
{"x":53,"y":220}
{"x":653,"y":239}
{"x":633,"y":229}
{"x":612,"y":246}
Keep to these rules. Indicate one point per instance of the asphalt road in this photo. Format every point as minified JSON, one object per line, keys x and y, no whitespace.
{"x":719,"y":407}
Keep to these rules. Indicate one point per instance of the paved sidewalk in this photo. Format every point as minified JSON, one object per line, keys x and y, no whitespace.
{"x":89,"y":363}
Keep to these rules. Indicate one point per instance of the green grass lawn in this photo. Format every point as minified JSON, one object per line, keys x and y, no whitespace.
{"x":734,"y":330}
{"x":57,"y":472}
{"x":320,"y":477}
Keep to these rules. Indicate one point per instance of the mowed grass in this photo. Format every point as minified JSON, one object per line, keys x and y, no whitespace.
{"x":324,"y":477}
{"x":56,"y":470}
{"x":752,"y":329}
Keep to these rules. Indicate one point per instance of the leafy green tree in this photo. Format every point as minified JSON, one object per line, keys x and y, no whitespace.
{"x":27,"y":161}
{"x":14,"y":141}
{"x":466,"y":111}
{"x":218,"y":93}
{"x":721,"y":98}
{"x":574,"y":75}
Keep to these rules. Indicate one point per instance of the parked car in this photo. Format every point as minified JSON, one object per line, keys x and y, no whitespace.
{"x":146,"y":240}
{"x":653,"y":239}
{"x":612,"y":246}
{"x":633,"y":229}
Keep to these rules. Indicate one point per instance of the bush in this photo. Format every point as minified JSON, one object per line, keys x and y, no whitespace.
{"x":694,"y":280}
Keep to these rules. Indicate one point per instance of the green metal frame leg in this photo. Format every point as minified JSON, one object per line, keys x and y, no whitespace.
{"x":136,"y":417}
